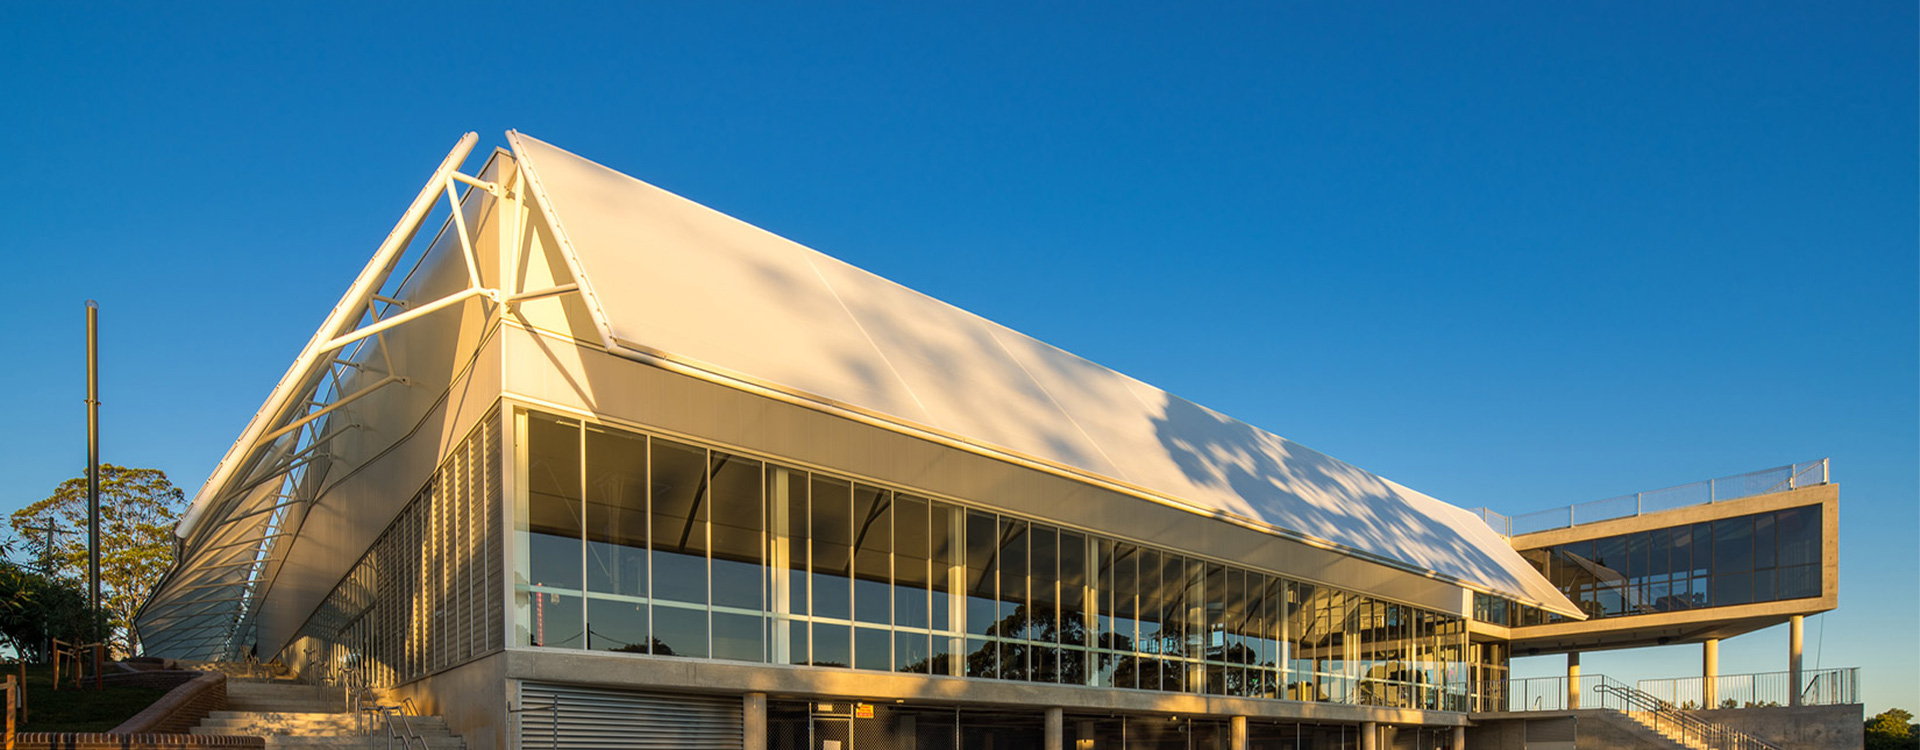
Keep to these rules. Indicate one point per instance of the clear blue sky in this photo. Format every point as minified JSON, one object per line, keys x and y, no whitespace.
{"x":1509,"y":255}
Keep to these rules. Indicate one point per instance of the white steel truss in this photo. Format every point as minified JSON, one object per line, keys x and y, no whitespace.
{"x":205,"y":607}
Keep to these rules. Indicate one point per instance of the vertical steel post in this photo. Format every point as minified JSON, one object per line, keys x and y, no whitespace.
{"x":93,"y":467}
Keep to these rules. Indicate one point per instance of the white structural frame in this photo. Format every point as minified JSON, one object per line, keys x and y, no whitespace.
{"x":262,"y":486}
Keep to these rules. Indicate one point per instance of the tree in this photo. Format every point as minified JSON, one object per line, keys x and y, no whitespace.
{"x":138,"y":508}
{"x":35,"y":607}
{"x":1892,"y":730}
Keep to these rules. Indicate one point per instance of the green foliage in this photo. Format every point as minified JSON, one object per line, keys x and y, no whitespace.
{"x":35,"y":607}
{"x":1892,"y":729}
{"x":138,"y":508}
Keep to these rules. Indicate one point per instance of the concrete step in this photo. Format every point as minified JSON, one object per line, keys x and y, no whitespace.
{"x":255,"y":727}
{"x":357,"y":740}
{"x":282,"y":707}
{"x":308,"y":730}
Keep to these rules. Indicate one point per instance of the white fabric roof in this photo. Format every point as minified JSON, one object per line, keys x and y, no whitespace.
{"x":667,"y":277}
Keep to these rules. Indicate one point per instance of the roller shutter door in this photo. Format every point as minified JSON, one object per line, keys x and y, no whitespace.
{"x":591,"y":718}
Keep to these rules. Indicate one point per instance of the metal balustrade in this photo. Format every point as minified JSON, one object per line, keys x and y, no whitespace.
{"x":1762,"y":482}
{"x":1818,"y":687}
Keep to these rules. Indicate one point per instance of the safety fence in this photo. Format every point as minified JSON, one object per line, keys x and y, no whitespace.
{"x":1763,"y":482}
{"x":1818,"y":687}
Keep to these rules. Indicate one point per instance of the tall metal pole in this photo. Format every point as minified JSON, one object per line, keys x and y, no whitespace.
{"x":93,"y":458}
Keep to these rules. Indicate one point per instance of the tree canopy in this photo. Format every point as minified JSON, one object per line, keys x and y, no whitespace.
{"x":138,"y":508}
{"x":35,"y":606}
{"x":1892,"y":729}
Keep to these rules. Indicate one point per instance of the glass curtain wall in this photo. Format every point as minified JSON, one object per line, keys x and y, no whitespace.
{"x":1761,"y":557}
{"x":643,"y":544}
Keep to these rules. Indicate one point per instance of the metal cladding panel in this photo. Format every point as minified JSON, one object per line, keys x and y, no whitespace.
{"x":666,"y":277}
{"x":572,"y":717}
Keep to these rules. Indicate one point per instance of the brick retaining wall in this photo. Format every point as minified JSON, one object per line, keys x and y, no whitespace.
{"x":192,"y":697}
{"x":101,"y":741}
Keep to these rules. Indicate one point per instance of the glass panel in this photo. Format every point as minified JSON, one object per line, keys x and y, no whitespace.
{"x":1013,"y":579}
{"x":679,"y":631}
{"x":1043,"y":584}
{"x":617,"y":626}
{"x":1175,"y":589}
{"x":679,"y":527}
{"x":910,"y":558}
{"x":910,"y":652}
{"x":873,"y":563}
{"x":1147,"y":619}
{"x":737,"y":567}
{"x":832,"y":645}
{"x":1765,"y":550}
{"x":1118,"y":607}
{"x":617,"y":515}
{"x":798,"y":639}
{"x":983,"y":547}
{"x":1013,"y":597}
{"x":556,"y":621}
{"x":1798,"y":582}
{"x":873,"y":648}
{"x":554,"y":512}
{"x":1763,"y":585}
{"x":737,"y":637}
{"x":832,"y":550}
{"x":1073,"y":594}
{"x":983,"y":658}
{"x":1732,"y":545}
{"x":1798,"y":530}
{"x":1731,"y":588}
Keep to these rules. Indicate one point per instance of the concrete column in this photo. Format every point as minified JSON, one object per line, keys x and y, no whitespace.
{"x":1369,"y":736}
{"x":1237,"y":733}
{"x":1056,"y":729}
{"x":1796,"y":636}
{"x":1573,"y":680}
{"x":1459,"y":738}
{"x":753,"y":718}
{"x":1710,"y":670}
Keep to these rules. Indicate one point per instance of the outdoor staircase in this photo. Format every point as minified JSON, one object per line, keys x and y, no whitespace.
{"x":309,"y":717}
{"x":1663,"y":736}
{"x":1681,"y":729}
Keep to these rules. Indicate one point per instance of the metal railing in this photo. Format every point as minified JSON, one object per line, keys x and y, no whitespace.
{"x":553,"y":719}
{"x":1818,"y":687}
{"x":1664,"y":718}
{"x":1548,"y":694}
{"x":399,"y":727}
{"x":1763,"y":482}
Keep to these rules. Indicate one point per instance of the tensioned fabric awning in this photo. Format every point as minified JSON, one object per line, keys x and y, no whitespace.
{"x":667,"y":278}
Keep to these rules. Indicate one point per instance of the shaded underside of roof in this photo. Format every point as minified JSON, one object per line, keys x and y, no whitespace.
{"x":667,"y":277}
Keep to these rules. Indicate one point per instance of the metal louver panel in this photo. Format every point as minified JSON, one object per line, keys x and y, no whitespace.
{"x":597,"y":718}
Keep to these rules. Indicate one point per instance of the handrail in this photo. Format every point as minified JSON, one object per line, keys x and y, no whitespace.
{"x":1818,"y":687}
{"x":1691,"y":727}
{"x":410,"y":737}
{"x":553,"y":713}
{"x":1706,"y":491}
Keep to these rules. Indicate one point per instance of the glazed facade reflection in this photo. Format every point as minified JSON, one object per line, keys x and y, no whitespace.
{"x":1761,"y":557}
{"x":643,"y":544}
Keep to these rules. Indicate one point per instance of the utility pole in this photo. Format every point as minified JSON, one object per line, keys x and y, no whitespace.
{"x":48,"y":538}
{"x":93,"y":469}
